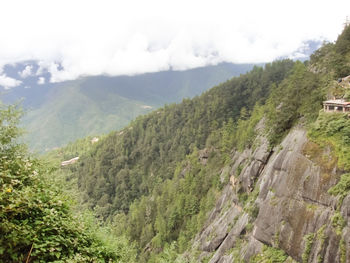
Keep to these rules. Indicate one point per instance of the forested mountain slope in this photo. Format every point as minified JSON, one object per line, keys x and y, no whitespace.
{"x":251,"y":170}
{"x":129,"y":163}
{"x":38,"y":222}
{"x":62,"y":112}
{"x":136,"y":168}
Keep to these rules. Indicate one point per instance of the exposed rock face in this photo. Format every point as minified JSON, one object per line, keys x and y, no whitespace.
{"x":221,"y":221}
{"x":295,"y":211}
{"x":294,"y":189}
{"x":227,"y":222}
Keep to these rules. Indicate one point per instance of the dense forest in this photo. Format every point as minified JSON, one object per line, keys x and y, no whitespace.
{"x":129,"y":163}
{"x":148,"y":179}
{"x":154,"y":182}
{"x":38,"y":223}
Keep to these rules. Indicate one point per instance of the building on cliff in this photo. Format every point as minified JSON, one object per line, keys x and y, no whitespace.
{"x":336,"y":105}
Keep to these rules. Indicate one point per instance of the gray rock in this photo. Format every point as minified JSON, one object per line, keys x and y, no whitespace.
{"x":293,"y":203}
{"x":230,"y":239}
{"x":221,"y":220}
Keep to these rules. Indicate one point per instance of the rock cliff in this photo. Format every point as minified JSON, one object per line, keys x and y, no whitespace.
{"x":279,"y":198}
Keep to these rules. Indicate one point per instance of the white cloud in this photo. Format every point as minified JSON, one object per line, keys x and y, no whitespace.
{"x":8,"y":82}
{"x":41,"y":80}
{"x":26,"y":72}
{"x":129,"y":37}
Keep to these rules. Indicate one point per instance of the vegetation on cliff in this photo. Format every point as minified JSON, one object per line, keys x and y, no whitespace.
{"x":333,"y":58}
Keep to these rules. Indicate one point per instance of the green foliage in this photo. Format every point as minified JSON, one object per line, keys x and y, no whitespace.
{"x":270,"y":255}
{"x":338,"y":222}
{"x":149,"y":179}
{"x":124,"y":177}
{"x":309,"y":240}
{"x":74,"y":112}
{"x":169,"y":255}
{"x":130,"y":163}
{"x":236,"y":250}
{"x":333,"y":129}
{"x":342,"y":188}
{"x":322,"y":237}
{"x":342,"y":49}
{"x":176,"y":209}
{"x":36,"y":220}
{"x":239,"y":170}
{"x":334,"y":58}
{"x":96,"y":105}
{"x":342,"y":248}
{"x":250,"y":206}
{"x":243,"y":133}
{"x":299,"y":95}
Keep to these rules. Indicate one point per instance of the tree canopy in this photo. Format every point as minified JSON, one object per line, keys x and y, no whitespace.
{"x":37,"y":223}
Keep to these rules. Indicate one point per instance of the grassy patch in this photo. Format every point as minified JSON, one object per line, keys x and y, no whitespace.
{"x":321,"y":236}
{"x":321,"y":154}
{"x":309,"y":240}
{"x":342,"y":188}
{"x":250,"y":207}
{"x":342,"y":248}
{"x":332,"y":129}
{"x":236,"y":250}
{"x":338,"y":222}
{"x":311,"y":207}
{"x":271,"y":255}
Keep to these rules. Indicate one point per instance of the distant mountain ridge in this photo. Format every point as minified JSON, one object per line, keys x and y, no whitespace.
{"x":57,"y":113}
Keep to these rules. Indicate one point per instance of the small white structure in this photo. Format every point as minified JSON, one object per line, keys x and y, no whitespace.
{"x":71,"y":161}
{"x":95,"y":139}
{"x":146,"y":107}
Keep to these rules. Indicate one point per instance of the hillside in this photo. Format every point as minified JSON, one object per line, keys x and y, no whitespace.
{"x":199,"y":181}
{"x":124,"y":177}
{"x":166,"y":136}
{"x":62,"y":112}
{"x":253,"y":170}
{"x":38,"y":222}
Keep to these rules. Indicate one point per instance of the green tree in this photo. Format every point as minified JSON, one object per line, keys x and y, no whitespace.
{"x":36,"y":220}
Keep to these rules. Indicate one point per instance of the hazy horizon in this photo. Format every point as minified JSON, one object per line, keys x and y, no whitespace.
{"x":89,"y":38}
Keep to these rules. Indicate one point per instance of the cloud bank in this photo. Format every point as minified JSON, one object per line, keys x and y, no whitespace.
{"x":26,"y":72}
{"x":41,"y":81}
{"x":8,"y":82}
{"x":71,"y":39}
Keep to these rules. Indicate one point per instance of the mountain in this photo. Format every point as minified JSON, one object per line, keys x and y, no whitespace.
{"x":250,"y":171}
{"x":58,"y":113}
{"x":61,"y":112}
{"x":157,"y":179}
{"x":38,"y":220}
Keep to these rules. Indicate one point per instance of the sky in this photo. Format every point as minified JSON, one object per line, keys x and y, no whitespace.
{"x":71,"y":39}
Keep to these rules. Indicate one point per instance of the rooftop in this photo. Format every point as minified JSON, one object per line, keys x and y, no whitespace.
{"x":338,"y":101}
